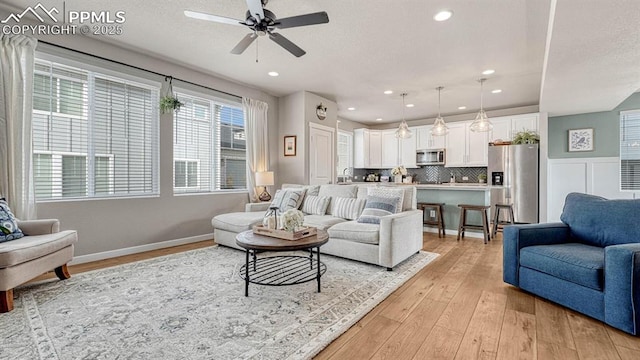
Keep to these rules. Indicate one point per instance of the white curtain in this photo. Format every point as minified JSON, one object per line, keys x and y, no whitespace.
{"x":257,"y":140}
{"x":17,"y":53}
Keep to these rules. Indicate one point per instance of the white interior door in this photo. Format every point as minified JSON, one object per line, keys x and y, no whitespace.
{"x":321,"y":155}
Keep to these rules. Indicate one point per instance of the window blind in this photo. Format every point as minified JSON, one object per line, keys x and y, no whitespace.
{"x":630,"y":150}
{"x":94,"y":135}
{"x":209,"y":148}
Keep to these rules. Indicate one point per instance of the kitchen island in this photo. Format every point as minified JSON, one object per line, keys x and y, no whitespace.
{"x":451,"y":195}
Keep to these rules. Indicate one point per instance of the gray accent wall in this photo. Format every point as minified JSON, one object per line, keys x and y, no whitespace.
{"x":606,"y":130}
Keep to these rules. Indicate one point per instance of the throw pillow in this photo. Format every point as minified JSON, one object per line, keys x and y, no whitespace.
{"x":388,"y":192}
{"x":286,"y":199}
{"x":346,"y":208}
{"x":379,"y":206}
{"x":315,"y":205}
{"x":8,"y":224}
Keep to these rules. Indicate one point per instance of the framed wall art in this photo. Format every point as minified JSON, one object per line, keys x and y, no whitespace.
{"x":580,"y":139}
{"x":290,"y":145}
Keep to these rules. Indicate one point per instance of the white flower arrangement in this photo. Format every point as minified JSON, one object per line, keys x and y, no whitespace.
{"x":292,"y":219}
{"x":399,"y":170}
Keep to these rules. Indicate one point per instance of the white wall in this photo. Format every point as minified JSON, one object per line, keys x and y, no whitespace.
{"x":598,"y":176}
{"x":110,"y":224}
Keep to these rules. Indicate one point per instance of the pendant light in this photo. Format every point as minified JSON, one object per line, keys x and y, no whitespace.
{"x":439,"y":127}
{"x":403,"y":131}
{"x":481,"y":123}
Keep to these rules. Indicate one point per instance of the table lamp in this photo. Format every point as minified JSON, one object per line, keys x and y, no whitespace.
{"x":264,"y":179}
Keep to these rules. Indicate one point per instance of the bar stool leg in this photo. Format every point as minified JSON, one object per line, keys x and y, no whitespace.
{"x":485,"y":231}
{"x":513,"y":218}
{"x":461,"y":224}
{"x":440,"y":211}
{"x":486,"y":224}
{"x":496,"y":218}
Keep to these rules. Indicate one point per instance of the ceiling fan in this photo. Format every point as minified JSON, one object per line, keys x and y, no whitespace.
{"x":263,"y":22}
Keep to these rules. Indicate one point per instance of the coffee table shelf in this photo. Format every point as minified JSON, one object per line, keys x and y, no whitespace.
{"x":282,"y":270}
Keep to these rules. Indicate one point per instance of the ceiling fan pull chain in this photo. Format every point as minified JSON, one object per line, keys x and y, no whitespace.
{"x":257,"y":41}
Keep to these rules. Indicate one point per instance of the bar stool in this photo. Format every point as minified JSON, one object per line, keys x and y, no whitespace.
{"x":463,"y":220}
{"x":439,"y":218}
{"x":496,"y":219}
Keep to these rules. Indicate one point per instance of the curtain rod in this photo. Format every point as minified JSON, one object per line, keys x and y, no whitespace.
{"x":139,"y":68}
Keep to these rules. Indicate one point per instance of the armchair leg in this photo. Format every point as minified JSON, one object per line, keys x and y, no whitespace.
{"x":6,"y":301}
{"x":62,"y":272}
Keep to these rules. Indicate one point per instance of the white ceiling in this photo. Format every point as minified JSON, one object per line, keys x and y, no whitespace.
{"x":592,"y":54}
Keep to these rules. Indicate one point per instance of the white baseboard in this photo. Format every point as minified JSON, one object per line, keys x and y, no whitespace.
{"x":467,"y":233}
{"x":138,"y":249}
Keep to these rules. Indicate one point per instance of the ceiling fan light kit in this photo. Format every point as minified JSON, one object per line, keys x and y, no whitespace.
{"x":263,"y":22}
{"x":481,"y":123}
{"x":439,"y":127}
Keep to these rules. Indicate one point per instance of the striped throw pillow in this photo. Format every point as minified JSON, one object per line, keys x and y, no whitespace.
{"x":346,"y":208}
{"x":286,"y":199}
{"x":388,"y":192}
{"x":315,"y":205}
{"x":379,"y":206}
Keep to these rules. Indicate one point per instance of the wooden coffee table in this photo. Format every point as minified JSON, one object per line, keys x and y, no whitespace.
{"x":281,"y":270}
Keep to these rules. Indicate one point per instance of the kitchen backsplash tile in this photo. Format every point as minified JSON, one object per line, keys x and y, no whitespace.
{"x":429,"y":174}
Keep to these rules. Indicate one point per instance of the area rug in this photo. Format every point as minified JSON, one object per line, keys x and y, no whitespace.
{"x":191,"y":305}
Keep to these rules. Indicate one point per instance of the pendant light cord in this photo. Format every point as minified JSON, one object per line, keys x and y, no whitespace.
{"x":439,"y":89}
{"x":482,"y":93}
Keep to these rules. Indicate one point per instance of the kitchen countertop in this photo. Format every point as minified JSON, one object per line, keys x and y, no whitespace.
{"x":454,"y":186}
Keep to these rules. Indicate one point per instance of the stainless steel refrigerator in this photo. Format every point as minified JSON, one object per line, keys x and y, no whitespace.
{"x":513,"y":174}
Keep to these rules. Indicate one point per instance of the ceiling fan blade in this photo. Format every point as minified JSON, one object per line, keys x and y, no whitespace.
{"x":255,"y":8}
{"x":209,"y":17}
{"x":244,"y":44}
{"x":286,"y":44}
{"x":303,"y":20}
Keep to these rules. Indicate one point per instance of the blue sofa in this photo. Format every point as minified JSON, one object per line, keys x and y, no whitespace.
{"x":590,"y":262}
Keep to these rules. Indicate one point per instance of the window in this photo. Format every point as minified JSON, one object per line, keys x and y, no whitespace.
{"x":94,"y":135}
{"x":209,"y":147}
{"x":630,"y":150}
{"x":345,"y":154}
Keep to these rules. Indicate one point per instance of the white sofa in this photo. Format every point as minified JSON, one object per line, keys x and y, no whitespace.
{"x":396,"y":238}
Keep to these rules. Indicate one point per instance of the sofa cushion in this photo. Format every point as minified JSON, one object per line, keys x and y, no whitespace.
{"x":596,"y":221}
{"x":33,"y":247}
{"x":409,"y":196}
{"x":237,"y":222}
{"x":578,"y":263}
{"x":355,"y":231}
{"x":345,"y":191}
{"x":287,"y":199}
{"x":347,"y":208}
{"x":379,"y":206}
{"x":388,"y":192}
{"x":9,"y":229}
{"x":322,"y":222}
{"x":315,"y":205}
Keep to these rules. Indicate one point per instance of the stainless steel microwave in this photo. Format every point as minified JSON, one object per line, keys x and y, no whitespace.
{"x":430,"y":157}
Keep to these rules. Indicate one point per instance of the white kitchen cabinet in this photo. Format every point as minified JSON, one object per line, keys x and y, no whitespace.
{"x":389,"y":148}
{"x":466,"y":148}
{"x":375,"y":149}
{"x":427,"y":141}
{"x":506,"y":127}
{"x":360,"y":148}
{"x":408,"y":151}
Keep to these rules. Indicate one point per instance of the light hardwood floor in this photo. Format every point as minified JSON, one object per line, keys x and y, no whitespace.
{"x":458,"y":308}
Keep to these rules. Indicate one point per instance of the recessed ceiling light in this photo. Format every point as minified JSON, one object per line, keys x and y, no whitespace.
{"x":443,"y":15}
{"x":488,"y":72}
{"x":388,"y":92}
{"x":339,"y":121}
{"x":379,"y":119}
{"x":496,"y":91}
{"x":410,"y":105}
{"x":273,"y":73}
{"x":462,"y":107}
{"x":351,"y":108}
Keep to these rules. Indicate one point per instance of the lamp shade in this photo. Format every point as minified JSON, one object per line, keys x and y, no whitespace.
{"x":264,"y":178}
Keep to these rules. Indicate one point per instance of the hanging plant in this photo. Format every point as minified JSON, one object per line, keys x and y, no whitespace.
{"x":526,"y":137}
{"x":170,"y":102}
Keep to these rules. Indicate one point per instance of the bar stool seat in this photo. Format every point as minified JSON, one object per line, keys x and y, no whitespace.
{"x":439,"y":218}
{"x":497,"y":223}
{"x":463,"y":220}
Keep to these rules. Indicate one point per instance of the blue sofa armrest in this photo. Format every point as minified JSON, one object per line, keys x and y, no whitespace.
{"x":518,"y":236}
{"x":622,"y":287}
